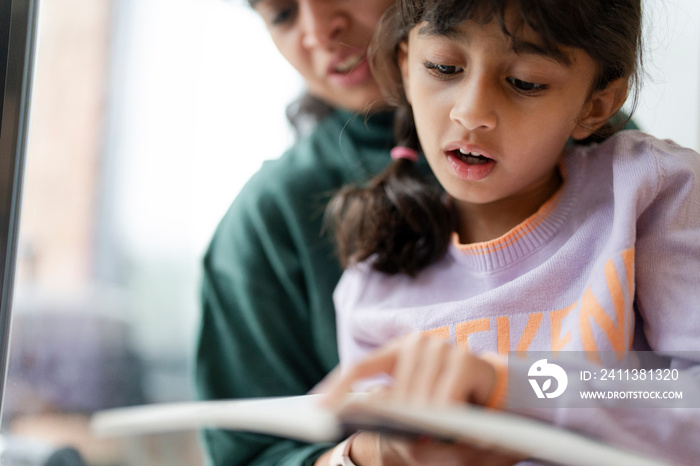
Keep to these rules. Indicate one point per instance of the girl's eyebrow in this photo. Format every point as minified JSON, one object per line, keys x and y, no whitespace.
{"x":452,"y":34}
{"x":522,"y":47}
{"x":519,"y":46}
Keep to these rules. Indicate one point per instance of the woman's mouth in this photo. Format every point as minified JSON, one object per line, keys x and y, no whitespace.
{"x":348,"y":63}
{"x":352,"y":70}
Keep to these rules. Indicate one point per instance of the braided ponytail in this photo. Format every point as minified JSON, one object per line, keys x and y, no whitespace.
{"x":398,"y":220}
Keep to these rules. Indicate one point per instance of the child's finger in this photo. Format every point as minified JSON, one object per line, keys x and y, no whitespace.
{"x":433,"y":360}
{"x":327,"y":381}
{"x":465,"y":378}
{"x":455,"y":378}
{"x":409,"y":366}
{"x":380,"y":361}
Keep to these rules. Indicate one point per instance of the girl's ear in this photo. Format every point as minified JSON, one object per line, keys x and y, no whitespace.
{"x":601,"y":106}
{"x":403,"y":66}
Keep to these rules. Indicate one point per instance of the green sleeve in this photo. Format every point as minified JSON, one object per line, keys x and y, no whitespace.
{"x":259,"y":335}
{"x":268,"y":323}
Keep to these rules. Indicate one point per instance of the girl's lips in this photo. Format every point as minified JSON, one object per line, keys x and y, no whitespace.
{"x":469,"y":164}
{"x":359,"y":73}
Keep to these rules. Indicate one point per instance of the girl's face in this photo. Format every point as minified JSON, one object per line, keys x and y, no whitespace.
{"x":493,"y":123}
{"x":326,"y":41}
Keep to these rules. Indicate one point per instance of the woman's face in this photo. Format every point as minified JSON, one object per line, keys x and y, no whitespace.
{"x":326,"y":41}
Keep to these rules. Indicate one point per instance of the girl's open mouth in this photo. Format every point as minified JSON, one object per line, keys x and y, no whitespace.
{"x":469,"y":166}
{"x":471,"y":158}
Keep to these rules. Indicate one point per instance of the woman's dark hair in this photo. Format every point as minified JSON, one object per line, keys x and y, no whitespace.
{"x":305,"y":112}
{"x":388,"y":220}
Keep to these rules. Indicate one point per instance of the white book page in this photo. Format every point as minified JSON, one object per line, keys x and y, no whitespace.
{"x":300,"y":418}
{"x":493,"y":430}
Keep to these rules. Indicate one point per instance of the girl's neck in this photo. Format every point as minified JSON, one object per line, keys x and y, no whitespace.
{"x":484,"y":222}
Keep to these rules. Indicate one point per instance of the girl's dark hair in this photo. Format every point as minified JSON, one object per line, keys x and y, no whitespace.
{"x":397,"y":220}
{"x":401,"y":221}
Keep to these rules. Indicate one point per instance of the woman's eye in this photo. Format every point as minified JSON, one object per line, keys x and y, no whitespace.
{"x":442,"y":69}
{"x":283,"y":16}
{"x":525,"y":86}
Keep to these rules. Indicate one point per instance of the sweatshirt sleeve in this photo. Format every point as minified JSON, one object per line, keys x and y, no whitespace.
{"x":667,"y":274}
{"x":657,"y":428}
{"x":667,"y":303}
{"x":257,"y":334}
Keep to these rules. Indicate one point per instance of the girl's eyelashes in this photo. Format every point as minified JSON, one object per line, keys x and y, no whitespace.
{"x":446,"y":72}
{"x":442,"y":71}
{"x":525,"y":87}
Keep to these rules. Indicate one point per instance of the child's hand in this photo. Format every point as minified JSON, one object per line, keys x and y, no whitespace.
{"x":425,"y":370}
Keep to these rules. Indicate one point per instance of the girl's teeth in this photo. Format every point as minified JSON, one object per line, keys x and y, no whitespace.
{"x":473,"y":158}
{"x":473,"y":154}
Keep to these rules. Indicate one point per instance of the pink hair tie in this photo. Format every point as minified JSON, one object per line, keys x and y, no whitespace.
{"x":403,"y":152}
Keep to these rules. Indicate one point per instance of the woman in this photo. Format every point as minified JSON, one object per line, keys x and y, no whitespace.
{"x":268,"y":326}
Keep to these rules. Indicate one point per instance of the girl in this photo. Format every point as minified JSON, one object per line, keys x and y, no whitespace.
{"x":554,"y":234}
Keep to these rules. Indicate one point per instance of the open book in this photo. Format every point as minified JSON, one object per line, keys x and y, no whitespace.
{"x":301,"y":418}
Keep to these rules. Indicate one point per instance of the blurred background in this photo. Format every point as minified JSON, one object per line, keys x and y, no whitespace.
{"x":147,"y":118}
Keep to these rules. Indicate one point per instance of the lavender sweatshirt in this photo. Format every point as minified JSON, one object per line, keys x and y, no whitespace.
{"x":610,"y":263}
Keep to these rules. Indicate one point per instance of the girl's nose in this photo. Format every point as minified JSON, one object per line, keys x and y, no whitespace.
{"x":322,"y":22}
{"x":475,"y":104}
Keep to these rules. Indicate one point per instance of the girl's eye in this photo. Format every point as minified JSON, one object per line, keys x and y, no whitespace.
{"x":525,"y":87}
{"x":444,"y":70}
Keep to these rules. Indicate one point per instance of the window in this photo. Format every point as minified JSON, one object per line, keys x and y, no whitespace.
{"x":140,"y":137}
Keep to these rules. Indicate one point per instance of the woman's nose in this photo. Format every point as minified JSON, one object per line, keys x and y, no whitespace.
{"x":322,"y":21}
{"x":475,"y":104}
